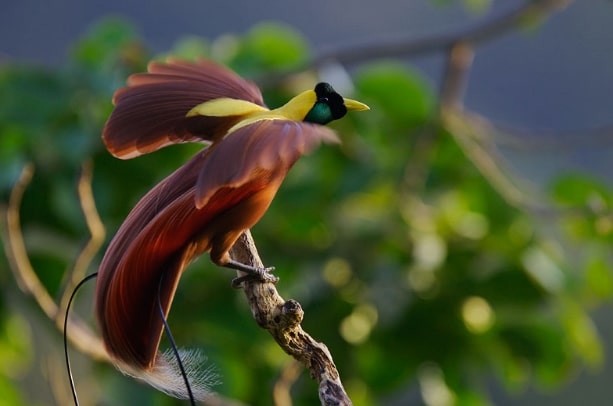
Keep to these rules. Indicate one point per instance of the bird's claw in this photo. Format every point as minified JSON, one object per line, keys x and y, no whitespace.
{"x":262,"y":275}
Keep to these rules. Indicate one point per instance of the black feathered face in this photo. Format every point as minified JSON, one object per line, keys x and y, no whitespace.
{"x":328,"y":107}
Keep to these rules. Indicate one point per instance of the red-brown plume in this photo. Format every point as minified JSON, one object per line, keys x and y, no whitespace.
{"x":203,"y":206}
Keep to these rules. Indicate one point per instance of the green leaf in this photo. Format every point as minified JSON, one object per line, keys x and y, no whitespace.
{"x":582,"y":334}
{"x":272,"y":46}
{"x":190,"y":48}
{"x":581,"y":190}
{"x":396,"y":93}
{"x":598,"y":275}
{"x":109,"y":40}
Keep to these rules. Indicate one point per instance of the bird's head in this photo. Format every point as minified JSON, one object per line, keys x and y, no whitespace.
{"x":330,"y":105}
{"x":320,"y":105}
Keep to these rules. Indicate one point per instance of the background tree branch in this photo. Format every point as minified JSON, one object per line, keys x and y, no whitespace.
{"x":81,"y":335}
{"x":493,"y":28}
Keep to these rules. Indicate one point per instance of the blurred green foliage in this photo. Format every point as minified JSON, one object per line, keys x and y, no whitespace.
{"x":417,"y":287}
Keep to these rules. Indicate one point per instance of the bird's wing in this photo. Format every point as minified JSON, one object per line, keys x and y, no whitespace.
{"x":126,"y":298}
{"x":150,"y":242}
{"x":167,"y":228}
{"x":266,"y":149}
{"x":162,"y":195}
{"x":150,"y":112}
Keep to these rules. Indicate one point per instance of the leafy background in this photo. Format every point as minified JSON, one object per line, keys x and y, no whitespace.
{"x":427,"y":285}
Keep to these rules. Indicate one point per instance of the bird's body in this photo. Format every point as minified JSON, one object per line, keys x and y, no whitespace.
{"x":206,"y":204}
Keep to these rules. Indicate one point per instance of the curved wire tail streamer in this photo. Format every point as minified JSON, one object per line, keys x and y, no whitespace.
{"x":177,"y":372}
{"x":68,"y":369}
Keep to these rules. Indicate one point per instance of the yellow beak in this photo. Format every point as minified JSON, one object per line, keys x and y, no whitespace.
{"x":355,"y":105}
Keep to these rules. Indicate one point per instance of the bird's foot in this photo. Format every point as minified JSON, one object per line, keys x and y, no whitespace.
{"x":252,"y":274}
{"x":262,"y":275}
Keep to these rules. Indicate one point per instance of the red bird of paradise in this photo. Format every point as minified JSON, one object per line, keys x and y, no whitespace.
{"x":206,"y":204}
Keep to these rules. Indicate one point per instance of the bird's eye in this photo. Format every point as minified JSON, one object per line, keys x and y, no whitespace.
{"x":324,"y":100}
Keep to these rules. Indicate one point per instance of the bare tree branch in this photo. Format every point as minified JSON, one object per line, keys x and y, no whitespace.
{"x":530,"y":10}
{"x":15,"y":248}
{"x":281,"y":391}
{"x":521,"y":139}
{"x":469,"y":131}
{"x":81,"y":335}
{"x":96,"y":229}
{"x":282,"y":320}
{"x":453,"y":83}
{"x":494,"y":28}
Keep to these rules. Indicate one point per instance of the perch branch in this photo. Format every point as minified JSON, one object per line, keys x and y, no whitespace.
{"x":282,"y":320}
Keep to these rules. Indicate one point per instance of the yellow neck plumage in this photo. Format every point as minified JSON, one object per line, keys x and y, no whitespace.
{"x":294,"y":110}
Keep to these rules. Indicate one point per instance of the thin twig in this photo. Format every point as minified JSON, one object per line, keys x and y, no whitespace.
{"x":15,"y":249}
{"x":96,"y":230}
{"x":282,"y":320}
{"x":531,"y":140}
{"x":470,"y":132}
{"x":455,"y":80}
{"x":81,"y":335}
{"x":453,"y":83}
{"x":57,"y":382}
{"x":281,"y":392}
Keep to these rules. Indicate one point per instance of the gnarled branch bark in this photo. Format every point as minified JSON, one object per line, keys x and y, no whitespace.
{"x":282,"y":318}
